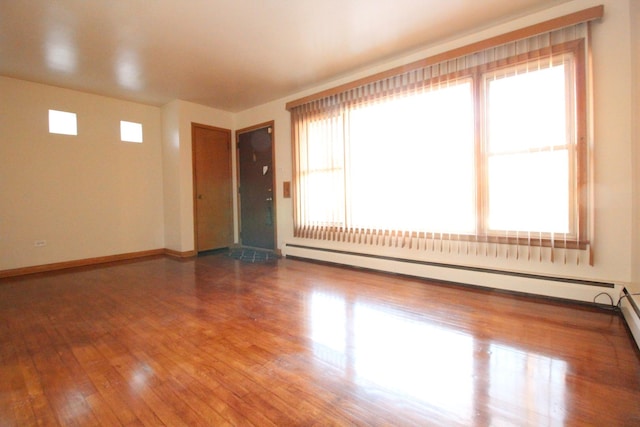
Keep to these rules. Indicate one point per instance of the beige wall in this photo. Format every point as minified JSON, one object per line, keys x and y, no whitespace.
{"x":177,"y":117}
{"x":92,"y":195}
{"x":612,"y":179}
{"x":88,"y":195}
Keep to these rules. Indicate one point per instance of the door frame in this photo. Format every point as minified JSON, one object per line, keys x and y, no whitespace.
{"x":270,"y":124}
{"x":194,"y":176}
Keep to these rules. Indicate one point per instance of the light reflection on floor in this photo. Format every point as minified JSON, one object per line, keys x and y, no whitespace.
{"x":404,"y":356}
{"x":533,"y":382}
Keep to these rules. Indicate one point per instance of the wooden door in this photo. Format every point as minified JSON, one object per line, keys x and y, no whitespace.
{"x":213,"y":192}
{"x":257,"y":183}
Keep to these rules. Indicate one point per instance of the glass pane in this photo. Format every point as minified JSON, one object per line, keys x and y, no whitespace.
{"x":62,"y":122}
{"x":527,"y":110}
{"x":130,"y":131}
{"x":529,"y":192}
{"x":322,"y":173}
{"x":412,"y":162}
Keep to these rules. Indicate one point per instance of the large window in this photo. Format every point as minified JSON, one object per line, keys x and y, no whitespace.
{"x":486,"y":148}
{"x":399,"y":149}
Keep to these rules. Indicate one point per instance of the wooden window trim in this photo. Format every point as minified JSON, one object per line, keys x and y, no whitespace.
{"x":577,"y":239}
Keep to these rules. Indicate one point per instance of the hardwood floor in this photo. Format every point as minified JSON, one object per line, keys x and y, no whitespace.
{"x":212,"y":341}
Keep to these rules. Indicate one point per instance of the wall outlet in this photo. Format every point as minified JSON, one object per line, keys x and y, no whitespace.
{"x":40,"y":243}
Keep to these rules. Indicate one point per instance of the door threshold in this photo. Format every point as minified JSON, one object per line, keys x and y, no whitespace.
{"x":213,"y":251}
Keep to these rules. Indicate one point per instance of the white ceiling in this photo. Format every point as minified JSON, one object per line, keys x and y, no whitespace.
{"x":228,"y":54}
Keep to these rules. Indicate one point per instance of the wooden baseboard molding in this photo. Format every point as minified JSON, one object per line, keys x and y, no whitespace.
{"x":79,"y":263}
{"x":178,"y":254}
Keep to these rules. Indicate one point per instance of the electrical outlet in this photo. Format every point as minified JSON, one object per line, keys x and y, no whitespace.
{"x":40,"y":243}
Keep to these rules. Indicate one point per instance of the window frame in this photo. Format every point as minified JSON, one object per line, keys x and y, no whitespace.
{"x":578,"y":237}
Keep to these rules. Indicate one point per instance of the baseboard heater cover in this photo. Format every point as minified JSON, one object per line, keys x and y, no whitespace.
{"x":527,"y":283}
{"x":631,"y":313}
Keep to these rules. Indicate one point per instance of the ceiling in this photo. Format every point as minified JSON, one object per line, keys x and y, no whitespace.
{"x":227,"y":54}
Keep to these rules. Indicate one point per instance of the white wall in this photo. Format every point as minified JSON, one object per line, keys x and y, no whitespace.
{"x":630,"y":315}
{"x":612,"y":146}
{"x":634,"y":19}
{"x":88,"y":195}
{"x":177,"y":117}
{"x":171,"y":145}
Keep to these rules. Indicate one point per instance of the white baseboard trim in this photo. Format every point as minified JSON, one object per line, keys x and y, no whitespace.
{"x":601,"y":293}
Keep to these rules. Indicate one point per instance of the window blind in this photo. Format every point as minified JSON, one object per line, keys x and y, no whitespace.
{"x":484,"y":153}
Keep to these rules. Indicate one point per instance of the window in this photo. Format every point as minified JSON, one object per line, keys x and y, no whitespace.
{"x":130,"y":131}
{"x":62,"y":122}
{"x":530,"y":147}
{"x":432,"y":134}
{"x":490,"y":147}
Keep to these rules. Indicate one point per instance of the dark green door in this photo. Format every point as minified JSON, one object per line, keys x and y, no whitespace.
{"x":256,"y":191}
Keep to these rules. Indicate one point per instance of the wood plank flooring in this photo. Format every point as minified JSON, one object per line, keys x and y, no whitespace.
{"x":213,"y":341}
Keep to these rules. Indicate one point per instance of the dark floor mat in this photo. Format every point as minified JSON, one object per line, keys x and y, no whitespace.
{"x":252,"y":255}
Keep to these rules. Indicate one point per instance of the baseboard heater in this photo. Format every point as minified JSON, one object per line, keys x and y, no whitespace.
{"x":631,"y":313}
{"x":632,"y":302}
{"x":598,"y":292}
